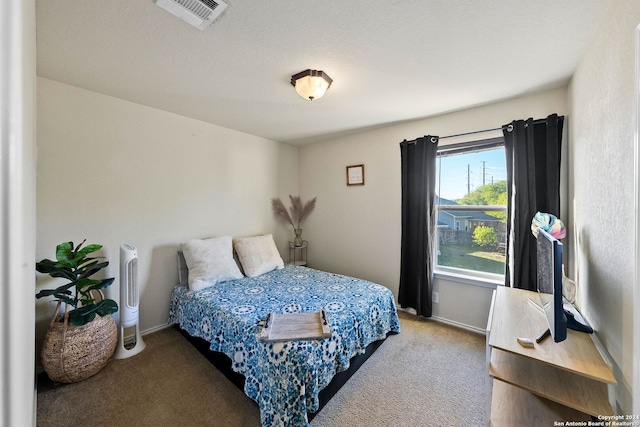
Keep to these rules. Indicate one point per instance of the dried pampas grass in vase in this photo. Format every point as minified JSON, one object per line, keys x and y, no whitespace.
{"x":299,"y":211}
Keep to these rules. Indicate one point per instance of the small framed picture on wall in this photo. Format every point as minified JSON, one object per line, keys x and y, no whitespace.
{"x":355,"y":175}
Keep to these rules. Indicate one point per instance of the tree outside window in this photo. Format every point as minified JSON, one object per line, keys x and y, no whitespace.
{"x":471,"y":189}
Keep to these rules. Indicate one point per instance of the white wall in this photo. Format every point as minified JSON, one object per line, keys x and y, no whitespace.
{"x":602,"y":104}
{"x":17,"y":211}
{"x":116,"y":172}
{"x":356,"y":230}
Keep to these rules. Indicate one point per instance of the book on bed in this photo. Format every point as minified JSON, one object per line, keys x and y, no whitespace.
{"x":296,"y":326}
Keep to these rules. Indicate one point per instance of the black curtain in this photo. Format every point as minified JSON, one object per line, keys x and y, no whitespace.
{"x":533,"y":149}
{"x":418,"y":223}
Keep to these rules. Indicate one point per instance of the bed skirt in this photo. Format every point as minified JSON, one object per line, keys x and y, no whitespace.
{"x":223,"y":363}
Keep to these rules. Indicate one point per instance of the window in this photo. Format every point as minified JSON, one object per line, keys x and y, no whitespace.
{"x":471,"y":188}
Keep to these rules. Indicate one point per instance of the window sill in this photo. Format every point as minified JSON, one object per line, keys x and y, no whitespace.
{"x":468,"y":279}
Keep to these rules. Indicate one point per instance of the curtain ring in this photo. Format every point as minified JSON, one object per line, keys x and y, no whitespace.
{"x":510,"y":128}
{"x":434,"y":139}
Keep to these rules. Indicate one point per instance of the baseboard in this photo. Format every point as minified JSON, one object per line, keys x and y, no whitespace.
{"x":447,"y":321}
{"x":459,"y":325}
{"x":155,"y":329}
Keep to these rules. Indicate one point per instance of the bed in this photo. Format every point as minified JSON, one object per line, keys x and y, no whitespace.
{"x":285,"y":378}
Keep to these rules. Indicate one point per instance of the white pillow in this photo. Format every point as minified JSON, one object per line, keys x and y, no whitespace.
{"x":258,"y":255}
{"x":210,"y":261}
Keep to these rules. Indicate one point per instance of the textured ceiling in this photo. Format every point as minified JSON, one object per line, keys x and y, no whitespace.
{"x":390,"y":61}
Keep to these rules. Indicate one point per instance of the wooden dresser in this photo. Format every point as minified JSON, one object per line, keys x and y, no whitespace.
{"x":549,"y":384}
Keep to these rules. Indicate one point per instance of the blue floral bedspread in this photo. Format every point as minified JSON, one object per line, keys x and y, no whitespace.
{"x":284,"y":378}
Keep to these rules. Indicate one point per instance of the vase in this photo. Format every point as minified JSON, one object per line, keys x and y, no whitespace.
{"x":297,"y":241}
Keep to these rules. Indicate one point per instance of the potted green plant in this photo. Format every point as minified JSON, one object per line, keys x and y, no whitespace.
{"x":79,"y":343}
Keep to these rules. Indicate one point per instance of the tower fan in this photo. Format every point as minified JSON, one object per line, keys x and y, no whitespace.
{"x":129,"y":340}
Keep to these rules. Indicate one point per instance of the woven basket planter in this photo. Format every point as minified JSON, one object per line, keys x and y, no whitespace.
{"x":74,"y":353}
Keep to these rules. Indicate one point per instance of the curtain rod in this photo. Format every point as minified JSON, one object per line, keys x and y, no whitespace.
{"x":436,"y":138}
{"x":509,"y":128}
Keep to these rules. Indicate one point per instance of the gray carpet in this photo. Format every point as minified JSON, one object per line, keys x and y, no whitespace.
{"x":428,"y":375}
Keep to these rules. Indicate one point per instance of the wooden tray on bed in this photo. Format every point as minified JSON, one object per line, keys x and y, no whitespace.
{"x":296,"y":326}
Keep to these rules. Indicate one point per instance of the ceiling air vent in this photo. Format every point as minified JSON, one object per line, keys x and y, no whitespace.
{"x":199,"y":13}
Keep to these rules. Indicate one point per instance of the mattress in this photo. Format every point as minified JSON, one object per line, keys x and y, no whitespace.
{"x":284,"y":378}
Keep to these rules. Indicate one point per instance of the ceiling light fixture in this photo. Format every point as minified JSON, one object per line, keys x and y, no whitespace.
{"x":311,"y":84}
